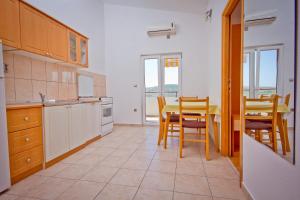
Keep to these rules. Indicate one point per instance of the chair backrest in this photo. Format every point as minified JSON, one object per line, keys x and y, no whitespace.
{"x":287,"y":99}
{"x":261,"y":109}
{"x":193,"y":108}
{"x":161,"y":104}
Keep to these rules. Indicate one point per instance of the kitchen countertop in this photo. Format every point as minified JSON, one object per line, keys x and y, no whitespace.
{"x":48,"y":103}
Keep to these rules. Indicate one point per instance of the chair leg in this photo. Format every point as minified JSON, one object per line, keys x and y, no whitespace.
{"x":286,"y":135}
{"x":166,"y":130}
{"x":207,"y":144}
{"x":161,"y":133}
{"x":181,"y":141}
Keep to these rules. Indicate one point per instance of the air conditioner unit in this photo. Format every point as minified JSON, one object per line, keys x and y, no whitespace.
{"x":265,"y":18}
{"x":162,"y":31}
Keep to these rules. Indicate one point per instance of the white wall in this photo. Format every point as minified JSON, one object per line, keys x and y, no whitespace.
{"x":87,"y":17}
{"x":126,"y":40}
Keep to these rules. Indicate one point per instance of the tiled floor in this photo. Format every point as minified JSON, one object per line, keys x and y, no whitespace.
{"x":128,"y":164}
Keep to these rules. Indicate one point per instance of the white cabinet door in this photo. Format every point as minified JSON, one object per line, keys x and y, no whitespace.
{"x":96,"y":119}
{"x":76,"y":125}
{"x":56,"y":131}
{"x":88,"y":126}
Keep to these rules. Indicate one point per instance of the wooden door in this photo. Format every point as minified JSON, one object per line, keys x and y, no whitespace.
{"x":33,"y":30}
{"x":83,"y":51}
{"x":57,"y":40}
{"x":76,"y":133}
{"x":9,"y":22}
{"x":56,"y":131}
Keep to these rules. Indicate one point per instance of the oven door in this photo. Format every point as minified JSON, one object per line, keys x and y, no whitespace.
{"x":107,"y":116}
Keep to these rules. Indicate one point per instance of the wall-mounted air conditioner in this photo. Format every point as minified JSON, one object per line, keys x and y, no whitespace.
{"x":258,"y":19}
{"x":162,"y":31}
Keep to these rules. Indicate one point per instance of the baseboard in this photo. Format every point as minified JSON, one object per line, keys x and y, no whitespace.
{"x":246,"y":191}
{"x":132,"y":125}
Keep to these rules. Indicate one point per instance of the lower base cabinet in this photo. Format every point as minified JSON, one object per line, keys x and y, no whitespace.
{"x":68,"y":127}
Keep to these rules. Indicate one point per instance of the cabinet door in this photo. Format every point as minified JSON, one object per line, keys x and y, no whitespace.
{"x":57,"y":40}
{"x":88,"y":121}
{"x":73,"y":41}
{"x":10,"y":23}
{"x":83,"y":51}
{"x":33,"y":30}
{"x":76,"y":133}
{"x":56,"y":131}
{"x":96,"y":119}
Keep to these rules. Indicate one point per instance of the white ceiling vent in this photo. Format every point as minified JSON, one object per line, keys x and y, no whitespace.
{"x":162,"y":31}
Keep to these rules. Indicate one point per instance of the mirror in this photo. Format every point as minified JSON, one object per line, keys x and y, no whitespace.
{"x":269,"y":69}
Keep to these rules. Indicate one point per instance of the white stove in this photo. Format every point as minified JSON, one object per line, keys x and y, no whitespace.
{"x":106,"y":115}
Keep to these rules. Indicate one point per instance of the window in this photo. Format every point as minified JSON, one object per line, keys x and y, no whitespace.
{"x":260,"y":72}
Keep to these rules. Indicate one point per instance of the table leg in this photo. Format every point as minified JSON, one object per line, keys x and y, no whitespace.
{"x":286,"y":136}
{"x":166,"y":129}
{"x":282,"y":132}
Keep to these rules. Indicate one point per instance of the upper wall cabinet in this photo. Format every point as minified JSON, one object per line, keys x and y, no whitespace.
{"x":33,"y":30}
{"x":57,"y":40}
{"x":78,"y":49}
{"x":9,"y":22}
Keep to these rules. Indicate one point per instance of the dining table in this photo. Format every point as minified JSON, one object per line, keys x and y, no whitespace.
{"x":173,"y":107}
{"x":282,"y":110}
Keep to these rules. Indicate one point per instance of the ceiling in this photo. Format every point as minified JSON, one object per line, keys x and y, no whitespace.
{"x":190,"y":6}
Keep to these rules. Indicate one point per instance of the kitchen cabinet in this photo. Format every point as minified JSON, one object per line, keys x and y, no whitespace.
{"x":10,"y":22}
{"x":57,"y":40}
{"x":70,"y":126}
{"x":78,"y":49}
{"x":56,"y":131}
{"x":34,"y":26}
{"x":76,"y":127}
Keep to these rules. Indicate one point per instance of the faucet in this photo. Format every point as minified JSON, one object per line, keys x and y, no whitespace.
{"x":42,"y":97}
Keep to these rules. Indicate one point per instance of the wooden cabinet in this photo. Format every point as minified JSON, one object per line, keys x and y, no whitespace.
{"x":9,"y":22}
{"x":57,"y":40}
{"x":56,"y":131}
{"x":25,"y":141}
{"x":77,"y":49}
{"x":34,"y":26}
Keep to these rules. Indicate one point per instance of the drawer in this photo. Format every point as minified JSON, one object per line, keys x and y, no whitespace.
{"x":22,"y":162}
{"x":23,"y":140}
{"x":23,"y":118}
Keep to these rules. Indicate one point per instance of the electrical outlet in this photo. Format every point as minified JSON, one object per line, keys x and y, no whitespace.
{"x":135,"y":110}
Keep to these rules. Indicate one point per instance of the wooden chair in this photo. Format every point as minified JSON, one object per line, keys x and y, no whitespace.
{"x":174,"y":119}
{"x":285,"y":125}
{"x":258,"y":119}
{"x":190,"y":119}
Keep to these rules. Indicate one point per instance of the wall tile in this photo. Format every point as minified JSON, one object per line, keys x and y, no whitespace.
{"x":8,"y":60}
{"x":63,"y":91}
{"x":10,"y":93}
{"x":23,"y":90}
{"x":64,"y":74}
{"x":52,"y":72}
{"x":73,"y":75}
{"x":38,"y":70}
{"x":72,"y":92}
{"x":37,"y":87}
{"x":22,"y":67}
{"x":52,"y":90}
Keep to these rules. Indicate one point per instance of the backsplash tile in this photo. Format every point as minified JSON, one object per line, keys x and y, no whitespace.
{"x":22,"y":67}
{"x":38,"y":70}
{"x":27,"y":77}
{"x":23,"y":90}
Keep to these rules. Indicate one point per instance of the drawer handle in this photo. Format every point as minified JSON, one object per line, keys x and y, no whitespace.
{"x":27,"y":139}
{"x":28,"y":160}
{"x":26,"y":118}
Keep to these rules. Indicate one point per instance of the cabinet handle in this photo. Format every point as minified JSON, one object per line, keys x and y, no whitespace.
{"x":28,"y":160}
{"x":26,"y":118}
{"x":27,"y":139}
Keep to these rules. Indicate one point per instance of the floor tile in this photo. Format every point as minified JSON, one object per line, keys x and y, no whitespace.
{"x":226,"y":188}
{"x":90,"y":160}
{"x":100,"y":174}
{"x":190,"y":168}
{"x":123,"y":152}
{"x":73,"y":172}
{"x":50,"y":189}
{"x":220,"y":171}
{"x":23,"y":186}
{"x":117,"y":192}
{"x":128,"y":177}
{"x":82,"y":190}
{"x":113,"y":161}
{"x":163,"y":166}
{"x":149,"y":194}
{"x":146,"y":154}
{"x":73,"y":159}
{"x":166,"y":155}
{"x":158,"y":181}
{"x":183,"y":196}
{"x":135,"y":163}
{"x":53,"y":170}
{"x":192,"y":184}
{"x":8,"y":197}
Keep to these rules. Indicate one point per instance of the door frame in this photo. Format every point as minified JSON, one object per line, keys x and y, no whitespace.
{"x":158,"y":56}
{"x":226,"y":47}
